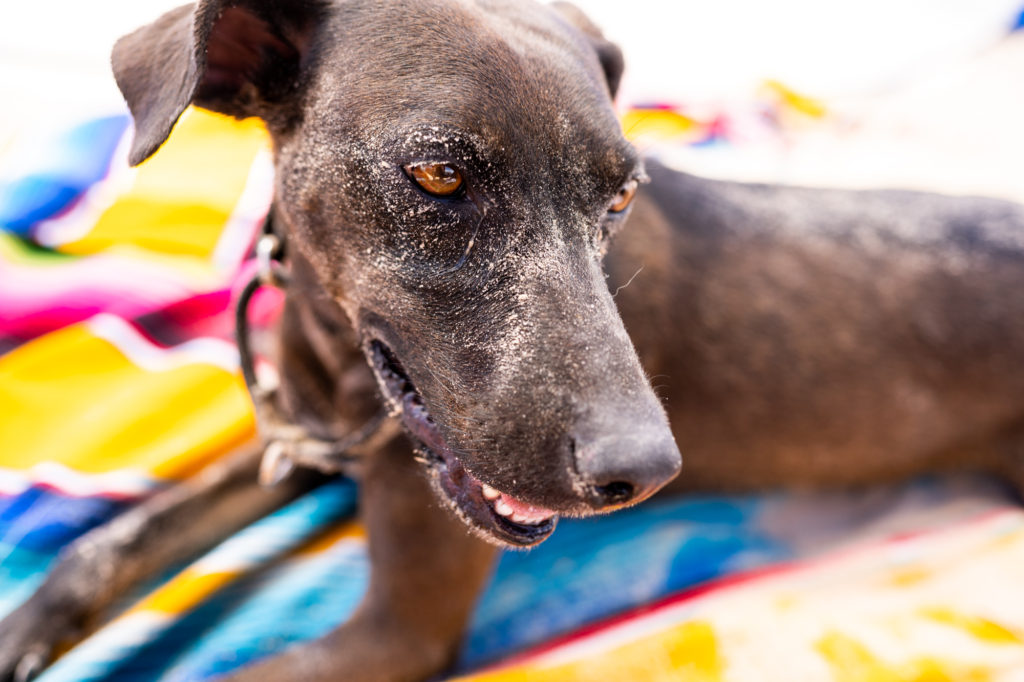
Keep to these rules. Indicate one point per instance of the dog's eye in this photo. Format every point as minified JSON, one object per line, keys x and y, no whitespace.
{"x":624,"y":198}
{"x":436,"y":179}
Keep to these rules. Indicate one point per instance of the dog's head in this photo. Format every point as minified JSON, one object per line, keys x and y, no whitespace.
{"x":452,"y":173}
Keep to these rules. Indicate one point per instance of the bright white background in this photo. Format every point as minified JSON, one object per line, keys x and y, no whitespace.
{"x":929,"y":97}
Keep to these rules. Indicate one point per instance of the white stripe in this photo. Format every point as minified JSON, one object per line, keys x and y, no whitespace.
{"x":78,"y":222}
{"x":13,"y":482}
{"x":95,"y":656}
{"x":122,"y":482}
{"x":252,"y":205}
{"x":243,"y":551}
{"x":151,"y":357}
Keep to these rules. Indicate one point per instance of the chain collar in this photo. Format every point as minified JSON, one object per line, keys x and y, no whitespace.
{"x":285,"y":444}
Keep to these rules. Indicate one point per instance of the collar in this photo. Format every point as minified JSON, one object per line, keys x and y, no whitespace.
{"x":285,"y":444}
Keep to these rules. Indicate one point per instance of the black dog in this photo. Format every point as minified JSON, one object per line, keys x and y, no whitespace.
{"x":449,"y":177}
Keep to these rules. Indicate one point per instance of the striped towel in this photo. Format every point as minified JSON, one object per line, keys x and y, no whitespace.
{"x":118,"y":377}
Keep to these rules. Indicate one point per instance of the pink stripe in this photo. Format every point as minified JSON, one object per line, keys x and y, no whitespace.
{"x":36,"y":300}
{"x":123,"y":484}
{"x":27,"y":311}
{"x":266,"y":303}
{"x":112,"y":495}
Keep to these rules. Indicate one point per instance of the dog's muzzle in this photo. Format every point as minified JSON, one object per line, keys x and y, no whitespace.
{"x":496,"y":516}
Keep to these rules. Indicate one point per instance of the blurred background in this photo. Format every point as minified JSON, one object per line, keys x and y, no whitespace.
{"x":917,"y":93}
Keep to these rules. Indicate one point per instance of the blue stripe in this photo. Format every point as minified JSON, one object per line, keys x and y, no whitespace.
{"x":65,"y":167}
{"x":588,"y":570}
{"x":318,"y":594}
{"x":43,"y":520}
{"x":243,"y":620}
{"x":21,"y":571}
{"x":591,"y":569}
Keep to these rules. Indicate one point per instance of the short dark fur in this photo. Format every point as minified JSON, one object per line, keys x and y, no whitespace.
{"x":800,"y":337}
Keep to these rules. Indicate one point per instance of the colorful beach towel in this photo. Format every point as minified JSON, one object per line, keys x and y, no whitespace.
{"x":119,"y":377}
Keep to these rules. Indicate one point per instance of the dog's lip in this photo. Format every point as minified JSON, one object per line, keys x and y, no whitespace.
{"x":498,"y":516}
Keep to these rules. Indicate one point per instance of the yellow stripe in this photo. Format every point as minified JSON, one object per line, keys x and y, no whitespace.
{"x":332,"y":536}
{"x":795,"y":101}
{"x":72,"y":398}
{"x":184,"y":592}
{"x":191,"y":587}
{"x":182,"y":197}
{"x":977,"y":627}
{"x":687,"y":652}
{"x":660,"y":124}
{"x":851,"y":661}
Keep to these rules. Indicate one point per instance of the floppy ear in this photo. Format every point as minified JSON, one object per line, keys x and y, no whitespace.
{"x":608,"y":53}
{"x":238,"y":57}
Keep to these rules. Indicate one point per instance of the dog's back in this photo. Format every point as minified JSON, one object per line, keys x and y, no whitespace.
{"x":805,"y":336}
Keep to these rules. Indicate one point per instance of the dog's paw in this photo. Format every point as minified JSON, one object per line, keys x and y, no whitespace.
{"x":21,"y":662}
{"x":25,"y":649}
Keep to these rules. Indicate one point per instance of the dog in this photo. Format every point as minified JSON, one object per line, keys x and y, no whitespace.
{"x":450,"y":176}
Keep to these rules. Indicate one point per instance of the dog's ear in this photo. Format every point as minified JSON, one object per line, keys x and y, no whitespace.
{"x":608,"y":53}
{"x":238,"y":57}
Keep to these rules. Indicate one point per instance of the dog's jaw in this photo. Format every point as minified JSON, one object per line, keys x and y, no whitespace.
{"x":494,"y":516}
{"x":497,"y":517}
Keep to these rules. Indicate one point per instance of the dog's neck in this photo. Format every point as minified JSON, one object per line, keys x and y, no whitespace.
{"x":331,"y":390}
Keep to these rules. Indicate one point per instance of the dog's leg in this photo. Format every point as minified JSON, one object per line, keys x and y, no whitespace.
{"x":94,"y":570}
{"x":1006,"y":456}
{"x":426,"y":573}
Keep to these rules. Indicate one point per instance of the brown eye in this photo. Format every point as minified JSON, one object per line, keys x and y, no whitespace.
{"x":624,"y":197}
{"x":436,"y":179}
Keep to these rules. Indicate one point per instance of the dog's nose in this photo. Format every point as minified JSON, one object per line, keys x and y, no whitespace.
{"x":626,"y":467}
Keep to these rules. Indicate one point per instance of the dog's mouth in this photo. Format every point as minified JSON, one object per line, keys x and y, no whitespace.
{"x":497,"y":516}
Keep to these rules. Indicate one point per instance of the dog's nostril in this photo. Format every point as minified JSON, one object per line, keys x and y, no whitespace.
{"x":615,"y":492}
{"x":621,"y":458}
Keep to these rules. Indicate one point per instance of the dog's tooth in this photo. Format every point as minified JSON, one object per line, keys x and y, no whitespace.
{"x":519,"y":518}
{"x":489,"y":492}
{"x":503,"y":508}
